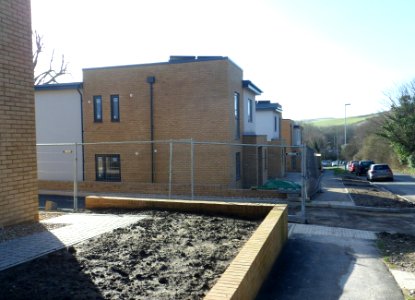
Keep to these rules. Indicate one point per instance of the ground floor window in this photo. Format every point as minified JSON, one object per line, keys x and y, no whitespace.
{"x":108,"y":167}
{"x":238,"y":165}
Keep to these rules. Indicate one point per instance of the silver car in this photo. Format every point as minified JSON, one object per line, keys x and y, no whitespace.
{"x":379,"y":172}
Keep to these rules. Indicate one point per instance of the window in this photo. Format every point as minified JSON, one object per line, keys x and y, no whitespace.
{"x":108,"y":167}
{"x":236,"y":110}
{"x":97,"y":109}
{"x":275,"y":124}
{"x":250,"y":110}
{"x":115,"y":108}
{"x":238,"y":165}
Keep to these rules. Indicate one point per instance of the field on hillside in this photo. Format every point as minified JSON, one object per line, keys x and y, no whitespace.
{"x":339,"y":121}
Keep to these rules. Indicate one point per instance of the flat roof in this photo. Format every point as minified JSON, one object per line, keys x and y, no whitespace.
{"x":59,"y":86}
{"x":252,"y":87}
{"x":174,"y":59}
{"x":267,"y":105}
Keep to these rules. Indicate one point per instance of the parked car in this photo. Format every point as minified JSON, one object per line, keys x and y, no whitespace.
{"x":326,"y":163}
{"x":379,"y":172}
{"x":363,"y":167}
{"x":335,"y":163}
{"x":352,"y":166}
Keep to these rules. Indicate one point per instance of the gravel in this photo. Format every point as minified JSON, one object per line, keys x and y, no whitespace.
{"x":27,"y":228}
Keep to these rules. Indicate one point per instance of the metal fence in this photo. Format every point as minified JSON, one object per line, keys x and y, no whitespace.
{"x":186,"y":169}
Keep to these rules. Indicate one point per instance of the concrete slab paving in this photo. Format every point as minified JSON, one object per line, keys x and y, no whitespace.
{"x":405,"y":279}
{"x":79,"y":227}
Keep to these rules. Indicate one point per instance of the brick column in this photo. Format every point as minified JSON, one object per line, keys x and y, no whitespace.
{"x":18,"y":175}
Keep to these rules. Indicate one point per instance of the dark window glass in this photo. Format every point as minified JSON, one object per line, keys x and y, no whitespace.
{"x":238,"y":165}
{"x":250,"y":111}
{"x":236,"y":110}
{"x":108,"y":167}
{"x":97,"y":109}
{"x":115,"y":108}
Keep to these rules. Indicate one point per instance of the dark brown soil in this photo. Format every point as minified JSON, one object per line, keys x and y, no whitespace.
{"x":365,"y":194}
{"x":398,"y":250}
{"x":166,"y":256}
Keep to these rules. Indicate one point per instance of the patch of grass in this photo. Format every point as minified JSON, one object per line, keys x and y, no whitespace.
{"x":340,"y":171}
{"x":338,"y":121}
{"x":406,"y":171}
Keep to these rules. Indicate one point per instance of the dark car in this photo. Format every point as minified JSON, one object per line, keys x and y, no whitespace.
{"x":379,"y":172}
{"x":352,"y":166}
{"x":363,"y":167}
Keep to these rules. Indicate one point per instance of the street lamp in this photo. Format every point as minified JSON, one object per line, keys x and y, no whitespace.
{"x":345,"y":129}
{"x":345,"y":124}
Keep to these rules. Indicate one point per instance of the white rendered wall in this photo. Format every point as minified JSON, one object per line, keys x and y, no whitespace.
{"x":58,"y":120}
{"x":265,"y":124}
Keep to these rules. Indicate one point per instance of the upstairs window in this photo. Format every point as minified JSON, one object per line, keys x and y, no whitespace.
{"x":115,"y":108}
{"x":97,"y":109}
{"x":275,"y":124}
{"x":250,"y":110}
{"x":237,"y":115}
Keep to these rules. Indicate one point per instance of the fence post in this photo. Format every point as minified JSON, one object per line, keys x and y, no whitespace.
{"x":303,"y":181}
{"x":75,"y":178}
{"x":170,"y":166}
{"x":192,"y":188}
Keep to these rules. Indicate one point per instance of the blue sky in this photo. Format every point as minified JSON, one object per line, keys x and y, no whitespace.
{"x":311,"y":56}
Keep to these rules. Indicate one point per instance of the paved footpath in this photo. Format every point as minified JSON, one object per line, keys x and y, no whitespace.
{"x":80,"y":227}
{"x":325,"y":263}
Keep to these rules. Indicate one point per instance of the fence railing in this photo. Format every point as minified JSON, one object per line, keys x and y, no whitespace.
{"x":174,"y":169}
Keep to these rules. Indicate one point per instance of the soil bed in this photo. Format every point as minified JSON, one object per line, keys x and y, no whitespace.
{"x":365,"y":194}
{"x":398,"y":250}
{"x":166,"y":256}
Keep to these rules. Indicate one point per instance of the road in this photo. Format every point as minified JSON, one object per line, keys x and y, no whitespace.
{"x":403,"y":185}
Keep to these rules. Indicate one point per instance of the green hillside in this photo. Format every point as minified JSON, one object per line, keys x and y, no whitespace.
{"x":338,"y":121}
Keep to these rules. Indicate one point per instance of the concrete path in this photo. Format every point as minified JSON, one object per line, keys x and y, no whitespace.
{"x":79,"y":227}
{"x":333,"y":192}
{"x":320,"y":262}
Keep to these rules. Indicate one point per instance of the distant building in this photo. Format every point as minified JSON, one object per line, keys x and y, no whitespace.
{"x":292,"y":135}
{"x":269,"y":117}
{"x":199,"y":99}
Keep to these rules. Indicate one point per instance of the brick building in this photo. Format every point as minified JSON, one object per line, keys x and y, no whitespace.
{"x":269,"y":116}
{"x":18,"y":178}
{"x":204,"y":99}
{"x":292,"y":135}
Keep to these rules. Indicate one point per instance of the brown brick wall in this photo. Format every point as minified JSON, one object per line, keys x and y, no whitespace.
{"x":18,"y":175}
{"x":276,"y":160}
{"x":255,"y":162}
{"x":191,"y":101}
{"x":293,"y":163}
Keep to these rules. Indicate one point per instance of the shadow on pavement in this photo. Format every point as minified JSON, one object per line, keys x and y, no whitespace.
{"x":320,"y":267}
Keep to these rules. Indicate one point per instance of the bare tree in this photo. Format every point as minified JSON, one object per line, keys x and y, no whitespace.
{"x":51,"y":74}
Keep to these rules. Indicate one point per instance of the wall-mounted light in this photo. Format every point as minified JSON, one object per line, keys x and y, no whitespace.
{"x":131,"y":95}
